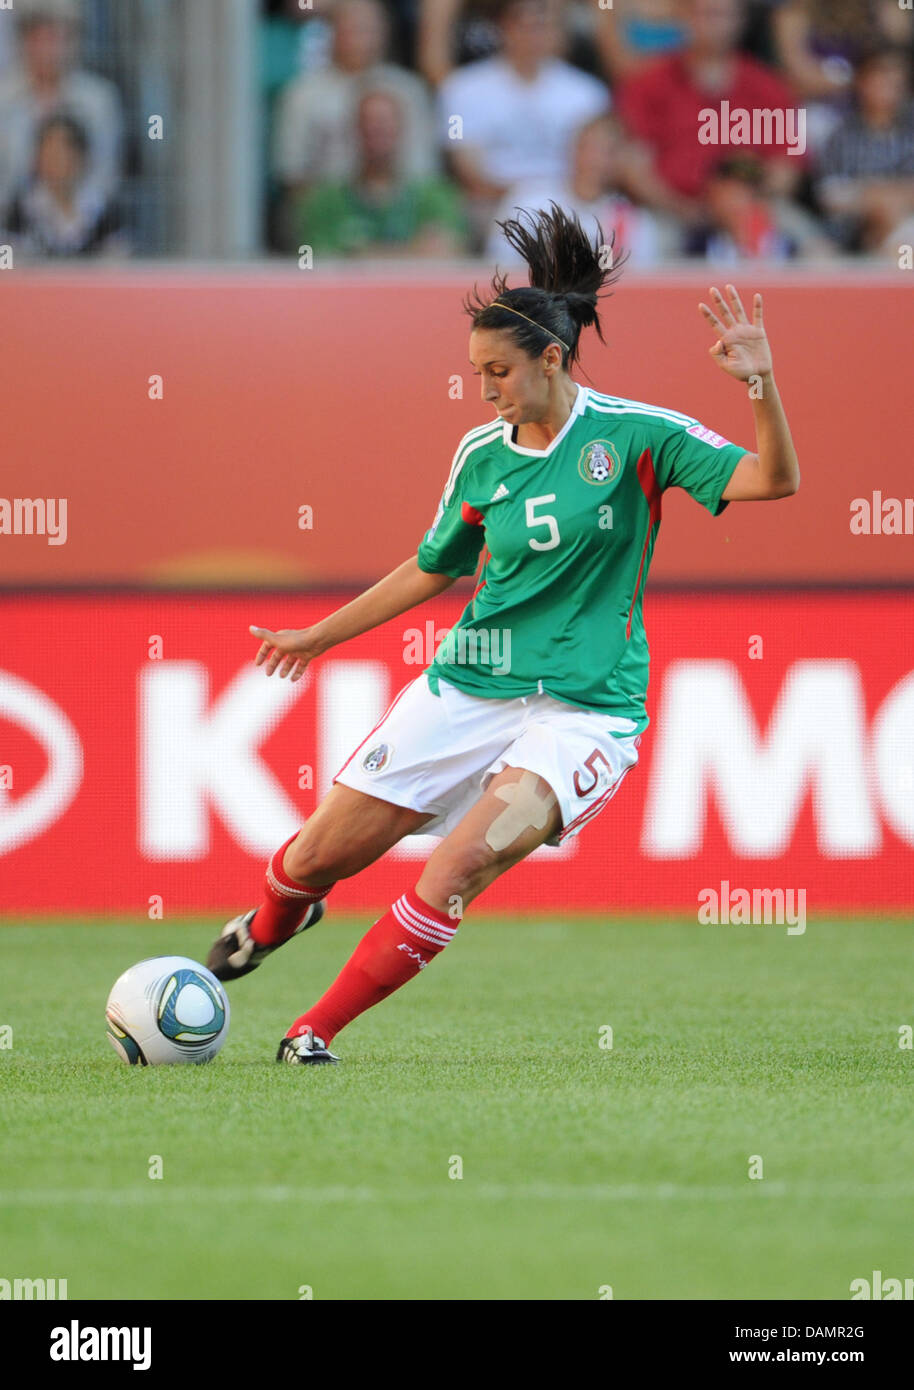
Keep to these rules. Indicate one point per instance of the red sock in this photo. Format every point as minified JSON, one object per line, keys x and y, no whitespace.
{"x":396,"y":948}
{"x":286,"y":902}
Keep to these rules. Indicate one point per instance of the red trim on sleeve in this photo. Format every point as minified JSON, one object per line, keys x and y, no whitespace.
{"x":486,"y":556}
{"x":648,"y":480}
{"x":653,"y":496}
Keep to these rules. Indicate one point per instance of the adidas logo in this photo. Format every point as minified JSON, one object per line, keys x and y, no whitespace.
{"x":500,"y":492}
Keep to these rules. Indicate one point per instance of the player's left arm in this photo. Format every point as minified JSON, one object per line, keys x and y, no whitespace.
{"x":742,"y":351}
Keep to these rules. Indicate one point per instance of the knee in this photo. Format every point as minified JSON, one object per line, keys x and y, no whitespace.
{"x":460,"y":870}
{"x":313,"y":860}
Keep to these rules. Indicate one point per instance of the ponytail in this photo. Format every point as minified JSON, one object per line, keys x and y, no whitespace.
{"x":566,"y":273}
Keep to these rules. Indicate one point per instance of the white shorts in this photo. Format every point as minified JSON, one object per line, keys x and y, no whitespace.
{"x":438,"y":753}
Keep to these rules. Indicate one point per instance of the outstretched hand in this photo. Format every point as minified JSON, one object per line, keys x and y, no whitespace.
{"x":291,"y":649}
{"x":742,"y":349}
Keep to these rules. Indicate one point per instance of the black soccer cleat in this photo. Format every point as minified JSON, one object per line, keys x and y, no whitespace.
{"x":305,"y":1050}
{"x":235,"y":952}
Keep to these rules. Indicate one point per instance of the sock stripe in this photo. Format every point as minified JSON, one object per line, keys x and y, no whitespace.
{"x":311,"y":895}
{"x":424,"y":927}
{"x":423,"y":936}
{"x":420,"y":919}
{"x":429,"y":915}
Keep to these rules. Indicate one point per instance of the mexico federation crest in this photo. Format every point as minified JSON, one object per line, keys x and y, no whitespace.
{"x":377,"y":758}
{"x":599,"y":462}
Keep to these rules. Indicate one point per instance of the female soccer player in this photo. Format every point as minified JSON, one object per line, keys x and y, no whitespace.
{"x":524,"y":725}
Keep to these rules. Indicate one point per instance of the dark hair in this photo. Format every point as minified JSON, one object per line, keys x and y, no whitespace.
{"x":742,"y":168}
{"x":499,"y":9}
{"x":566,"y":273}
{"x":878,"y":51}
{"x":77,"y":133}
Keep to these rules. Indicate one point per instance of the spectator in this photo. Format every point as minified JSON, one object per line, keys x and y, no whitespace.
{"x":314,"y":129}
{"x":454,"y":32}
{"x":404,"y":23}
{"x":866,"y":171}
{"x":745,"y":223}
{"x":48,"y":82}
{"x":58,"y":211}
{"x":817,"y":44}
{"x":292,"y":41}
{"x":382,"y":211}
{"x":663,"y":107}
{"x":592,"y":191}
{"x":514,"y":116}
{"x":634,"y":32}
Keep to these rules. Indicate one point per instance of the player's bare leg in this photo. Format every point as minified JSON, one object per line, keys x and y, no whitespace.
{"x":517,"y":812}
{"x":515,"y":815}
{"x":348,"y":831}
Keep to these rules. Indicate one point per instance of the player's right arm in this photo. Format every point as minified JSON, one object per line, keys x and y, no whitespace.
{"x":450,"y":548}
{"x":292,"y":649}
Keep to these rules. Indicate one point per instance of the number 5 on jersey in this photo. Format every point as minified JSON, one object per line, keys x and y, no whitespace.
{"x":545,"y":520}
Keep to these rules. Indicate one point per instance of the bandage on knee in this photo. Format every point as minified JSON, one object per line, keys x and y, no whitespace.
{"x":525,"y":809}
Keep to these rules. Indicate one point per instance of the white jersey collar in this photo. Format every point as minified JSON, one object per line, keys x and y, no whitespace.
{"x":580,"y":402}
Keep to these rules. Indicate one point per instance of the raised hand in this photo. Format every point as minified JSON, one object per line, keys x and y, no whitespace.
{"x":291,"y":649}
{"x":742,"y":348}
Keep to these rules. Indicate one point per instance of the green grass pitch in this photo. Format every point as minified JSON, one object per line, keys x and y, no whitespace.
{"x":583,"y":1166}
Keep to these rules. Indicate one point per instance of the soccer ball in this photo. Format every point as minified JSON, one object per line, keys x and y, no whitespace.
{"x":167,"y":1009}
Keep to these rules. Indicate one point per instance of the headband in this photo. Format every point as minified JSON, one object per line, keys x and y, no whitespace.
{"x":496,"y":304}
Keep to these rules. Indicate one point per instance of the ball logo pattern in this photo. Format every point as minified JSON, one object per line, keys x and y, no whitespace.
{"x":190,"y":1011}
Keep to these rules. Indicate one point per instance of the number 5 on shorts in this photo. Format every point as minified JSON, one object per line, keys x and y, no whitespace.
{"x":589,"y":764}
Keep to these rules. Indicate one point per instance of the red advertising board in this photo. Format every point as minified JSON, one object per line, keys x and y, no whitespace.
{"x":144,"y":758}
{"x":256,"y":427}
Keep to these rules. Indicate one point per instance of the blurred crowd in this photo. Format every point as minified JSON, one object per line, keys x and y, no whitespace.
{"x":411,"y":128}
{"x":61,"y":137}
{"x":414,"y":128}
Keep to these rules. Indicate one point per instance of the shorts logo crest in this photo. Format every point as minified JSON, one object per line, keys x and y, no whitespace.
{"x":377,"y":758}
{"x":599,"y":461}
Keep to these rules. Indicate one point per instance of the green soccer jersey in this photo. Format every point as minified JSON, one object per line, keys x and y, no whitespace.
{"x":567,"y":534}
